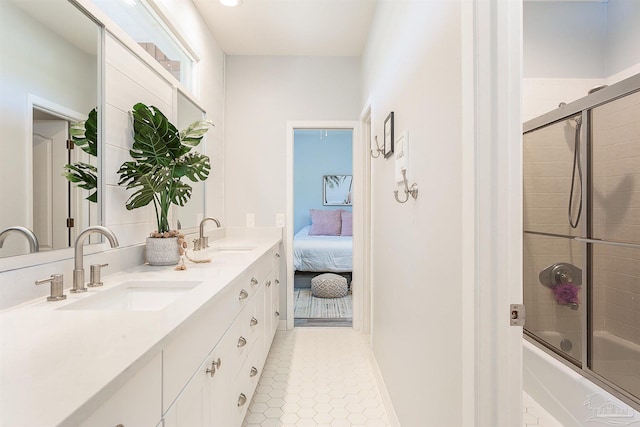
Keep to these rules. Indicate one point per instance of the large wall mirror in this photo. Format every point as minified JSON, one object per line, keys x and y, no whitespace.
{"x":191,"y":214}
{"x":49,"y":79}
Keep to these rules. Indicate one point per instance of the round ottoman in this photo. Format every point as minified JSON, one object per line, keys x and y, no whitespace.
{"x":329,"y":285}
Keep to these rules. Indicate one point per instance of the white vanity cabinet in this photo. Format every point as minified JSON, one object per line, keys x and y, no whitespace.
{"x":218,"y":391}
{"x":136,"y":403}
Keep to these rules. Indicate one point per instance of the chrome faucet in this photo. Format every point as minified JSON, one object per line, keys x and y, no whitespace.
{"x":203,"y":242}
{"x":78,"y":271}
{"x":28,"y":234}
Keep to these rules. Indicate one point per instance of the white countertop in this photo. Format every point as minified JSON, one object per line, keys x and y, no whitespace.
{"x":56,"y":364}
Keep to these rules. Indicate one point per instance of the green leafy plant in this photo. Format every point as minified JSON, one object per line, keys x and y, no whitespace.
{"x":85,"y":135}
{"x":162,"y":157}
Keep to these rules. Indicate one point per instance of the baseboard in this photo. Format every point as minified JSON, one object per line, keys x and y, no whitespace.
{"x":384,"y":393}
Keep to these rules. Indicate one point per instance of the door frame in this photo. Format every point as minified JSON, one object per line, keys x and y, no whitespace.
{"x":359,"y":301}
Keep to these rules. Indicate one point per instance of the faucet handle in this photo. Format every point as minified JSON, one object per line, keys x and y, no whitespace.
{"x":95,"y":275}
{"x":196,"y":244}
{"x":57,"y":285}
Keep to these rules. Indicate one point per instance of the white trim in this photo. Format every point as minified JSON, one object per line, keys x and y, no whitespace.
{"x":362,"y":252}
{"x":498,"y":203}
{"x":384,"y":393}
{"x":468,"y":269}
{"x":288,"y":237}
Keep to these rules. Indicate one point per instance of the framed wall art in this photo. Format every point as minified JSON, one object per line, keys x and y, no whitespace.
{"x":388,"y":135}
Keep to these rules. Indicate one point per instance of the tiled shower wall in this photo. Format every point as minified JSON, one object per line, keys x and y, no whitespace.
{"x":548,"y":159}
{"x":616,"y":216}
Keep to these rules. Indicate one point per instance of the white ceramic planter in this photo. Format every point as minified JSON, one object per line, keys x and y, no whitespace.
{"x":162,"y":251}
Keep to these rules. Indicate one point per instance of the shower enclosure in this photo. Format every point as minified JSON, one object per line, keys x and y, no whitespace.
{"x":581,"y":266}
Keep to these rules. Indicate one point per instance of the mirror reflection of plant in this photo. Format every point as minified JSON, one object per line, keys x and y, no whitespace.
{"x":162,"y":158}
{"x":85,"y":135}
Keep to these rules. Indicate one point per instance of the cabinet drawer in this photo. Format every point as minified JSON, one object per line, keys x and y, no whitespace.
{"x":242,"y":391}
{"x":143,"y":389}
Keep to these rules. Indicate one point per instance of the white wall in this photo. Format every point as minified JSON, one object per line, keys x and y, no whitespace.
{"x":262,"y":94}
{"x":623,"y":33}
{"x":564,"y":39}
{"x":571,"y":47}
{"x":412,"y":66}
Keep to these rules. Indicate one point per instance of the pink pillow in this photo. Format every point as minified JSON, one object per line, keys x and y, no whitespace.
{"x":325,"y":223}
{"x":347,"y":223}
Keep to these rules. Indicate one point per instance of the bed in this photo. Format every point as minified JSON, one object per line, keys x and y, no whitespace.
{"x":322,"y":253}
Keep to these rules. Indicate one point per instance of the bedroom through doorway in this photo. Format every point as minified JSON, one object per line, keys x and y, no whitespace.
{"x":322,"y":227}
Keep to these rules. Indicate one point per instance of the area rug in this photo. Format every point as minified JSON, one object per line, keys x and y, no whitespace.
{"x":309,"y":307}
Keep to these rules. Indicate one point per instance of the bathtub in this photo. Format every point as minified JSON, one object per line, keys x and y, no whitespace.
{"x":569,"y":397}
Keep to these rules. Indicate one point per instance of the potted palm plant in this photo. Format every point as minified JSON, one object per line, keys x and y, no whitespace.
{"x":162,"y":157}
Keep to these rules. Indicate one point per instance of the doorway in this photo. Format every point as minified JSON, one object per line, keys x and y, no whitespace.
{"x":322,"y":182}
{"x":322,"y":226}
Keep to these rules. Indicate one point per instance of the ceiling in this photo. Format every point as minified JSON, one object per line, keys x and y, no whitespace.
{"x":290,"y":27}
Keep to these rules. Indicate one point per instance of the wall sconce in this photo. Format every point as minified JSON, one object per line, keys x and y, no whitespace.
{"x":408,"y":191}
{"x":378,"y":150}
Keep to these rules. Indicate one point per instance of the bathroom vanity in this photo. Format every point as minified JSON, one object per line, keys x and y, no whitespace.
{"x":152,"y":347}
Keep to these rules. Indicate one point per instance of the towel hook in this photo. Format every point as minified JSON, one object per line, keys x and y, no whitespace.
{"x":377,"y":150}
{"x":413,"y":190}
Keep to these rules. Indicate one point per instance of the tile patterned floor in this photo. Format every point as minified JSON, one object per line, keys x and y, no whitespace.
{"x":306,"y":382}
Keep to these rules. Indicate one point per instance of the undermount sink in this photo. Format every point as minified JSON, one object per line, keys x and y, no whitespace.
{"x":135,"y":296}
{"x":230,"y":250}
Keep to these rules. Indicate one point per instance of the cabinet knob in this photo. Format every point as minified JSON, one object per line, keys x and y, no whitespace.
{"x":253,"y":321}
{"x":277,"y":255}
{"x":254,"y":281}
{"x":277,"y":281}
{"x":214,"y":365}
{"x":242,"y":399}
{"x":243,"y":294}
{"x":277,"y":314}
{"x":242,"y":341}
{"x":268,"y":284}
{"x":254,"y":371}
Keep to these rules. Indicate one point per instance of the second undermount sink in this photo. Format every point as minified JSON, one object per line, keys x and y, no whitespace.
{"x":135,"y":296}
{"x":229,"y":250}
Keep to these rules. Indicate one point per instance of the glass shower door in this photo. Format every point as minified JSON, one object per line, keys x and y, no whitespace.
{"x":614,"y":350}
{"x":553,"y":262}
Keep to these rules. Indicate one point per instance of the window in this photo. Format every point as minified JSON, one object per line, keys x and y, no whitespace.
{"x":138,"y":19}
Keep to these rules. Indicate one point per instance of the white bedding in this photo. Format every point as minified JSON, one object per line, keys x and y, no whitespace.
{"x":322,"y":253}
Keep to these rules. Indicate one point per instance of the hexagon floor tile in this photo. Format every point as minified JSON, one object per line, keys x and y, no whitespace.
{"x":324,"y":377}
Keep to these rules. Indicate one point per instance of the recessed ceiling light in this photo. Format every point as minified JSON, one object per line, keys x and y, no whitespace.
{"x":230,"y":3}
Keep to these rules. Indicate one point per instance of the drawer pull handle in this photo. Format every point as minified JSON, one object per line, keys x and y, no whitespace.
{"x":253,"y":321}
{"x":277,"y":314}
{"x":243,"y":294}
{"x":277,"y":281}
{"x":268,"y":283}
{"x":242,"y":341}
{"x":254,"y":281}
{"x":254,"y":371}
{"x":214,"y":365}
{"x":242,"y":399}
